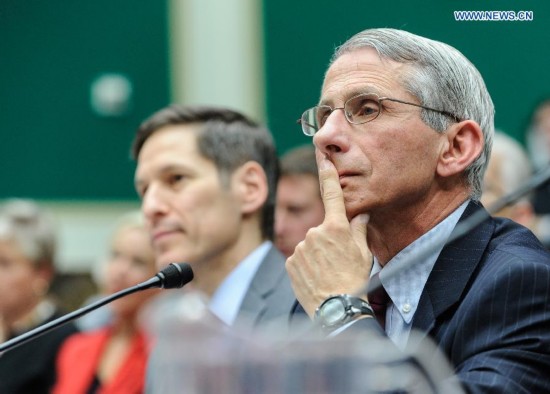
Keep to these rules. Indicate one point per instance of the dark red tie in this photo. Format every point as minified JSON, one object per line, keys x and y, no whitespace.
{"x":378,"y":299}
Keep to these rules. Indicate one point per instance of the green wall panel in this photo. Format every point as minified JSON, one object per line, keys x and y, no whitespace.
{"x":300,"y":36}
{"x":52,"y":144}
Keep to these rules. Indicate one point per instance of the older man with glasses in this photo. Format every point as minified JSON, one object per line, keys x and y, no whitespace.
{"x":403,"y":133}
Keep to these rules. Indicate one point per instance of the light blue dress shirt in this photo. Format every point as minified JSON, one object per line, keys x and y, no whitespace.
{"x":228,"y":297}
{"x":413,"y":265}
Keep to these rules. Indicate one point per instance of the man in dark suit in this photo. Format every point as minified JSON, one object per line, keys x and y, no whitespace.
{"x":207,"y":179}
{"x":403,"y":132}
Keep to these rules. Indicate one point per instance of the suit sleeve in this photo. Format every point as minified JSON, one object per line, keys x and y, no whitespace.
{"x":501,"y":342}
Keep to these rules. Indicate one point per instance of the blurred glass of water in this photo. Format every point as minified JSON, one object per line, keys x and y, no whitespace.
{"x":195,"y":353}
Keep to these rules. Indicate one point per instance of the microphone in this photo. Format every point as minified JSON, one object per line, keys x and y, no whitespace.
{"x":174,"y":276}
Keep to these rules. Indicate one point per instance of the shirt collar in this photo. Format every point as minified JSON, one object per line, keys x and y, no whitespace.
{"x":406,"y":274}
{"x":227,"y":298}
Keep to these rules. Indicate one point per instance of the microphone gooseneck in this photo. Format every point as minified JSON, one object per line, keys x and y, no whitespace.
{"x":175,"y":275}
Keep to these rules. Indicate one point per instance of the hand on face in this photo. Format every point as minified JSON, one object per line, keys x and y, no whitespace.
{"x":334,"y":257}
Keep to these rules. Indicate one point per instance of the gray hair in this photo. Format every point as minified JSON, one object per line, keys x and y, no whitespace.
{"x":515,"y":167}
{"x":440,"y":77}
{"x":32,"y":228}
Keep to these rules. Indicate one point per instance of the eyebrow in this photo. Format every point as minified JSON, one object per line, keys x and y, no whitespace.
{"x":138,"y":184}
{"x":369,"y":89}
{"x":162,"y":170}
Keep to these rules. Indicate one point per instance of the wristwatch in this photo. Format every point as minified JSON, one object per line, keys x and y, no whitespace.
{"x":338,"y":310}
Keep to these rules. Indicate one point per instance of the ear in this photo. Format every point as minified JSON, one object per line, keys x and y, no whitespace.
{"x":464,"y":145}
{"x":250,"y":185}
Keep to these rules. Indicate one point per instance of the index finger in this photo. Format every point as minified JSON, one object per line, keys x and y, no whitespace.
{"x":331,"y":191}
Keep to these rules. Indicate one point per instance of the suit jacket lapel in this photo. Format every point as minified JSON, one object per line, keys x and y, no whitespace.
{"x":452,"y":271}
{"x":265,"y":282}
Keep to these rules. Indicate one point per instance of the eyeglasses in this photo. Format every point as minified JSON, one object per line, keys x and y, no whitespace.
{"x":358,"y":109}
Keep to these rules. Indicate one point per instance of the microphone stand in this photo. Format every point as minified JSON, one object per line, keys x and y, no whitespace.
{"x":173,"y":276}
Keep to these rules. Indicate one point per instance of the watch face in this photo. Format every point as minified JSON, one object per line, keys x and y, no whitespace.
{"x":332,"y":312}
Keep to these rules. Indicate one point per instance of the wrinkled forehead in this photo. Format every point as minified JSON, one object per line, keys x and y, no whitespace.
{"x":361,"y":71}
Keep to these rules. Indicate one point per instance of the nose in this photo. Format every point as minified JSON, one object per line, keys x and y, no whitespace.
{"x":279,"y":222}
{"x":332,"y":137}
{"x":116,"y":271}
{"x":118,"y":266}
{"x":153,"y":203}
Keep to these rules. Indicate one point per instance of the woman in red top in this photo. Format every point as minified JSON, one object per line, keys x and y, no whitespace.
{"x":113,"y":359}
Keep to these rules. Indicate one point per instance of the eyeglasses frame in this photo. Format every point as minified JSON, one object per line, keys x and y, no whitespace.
{"x":379,"y":100}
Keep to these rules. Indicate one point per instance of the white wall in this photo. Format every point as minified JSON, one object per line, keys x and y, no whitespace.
{"x":84,"y":229}
{"x":217,"y":54}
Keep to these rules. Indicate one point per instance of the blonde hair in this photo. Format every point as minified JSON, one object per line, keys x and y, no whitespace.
{"x":133,"y":219}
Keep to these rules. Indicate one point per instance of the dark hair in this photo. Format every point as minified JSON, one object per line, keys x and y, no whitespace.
{"x":226,"y":137}
{"x":299,"y":161}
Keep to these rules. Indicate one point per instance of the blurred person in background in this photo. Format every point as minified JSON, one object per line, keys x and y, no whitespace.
{"x":27,"y":268}
{"x":299,"y":206}
{"x":100,"y":317}
{"x":112,"y":359}
{"x":509,"y":169}
{"x":538,"y":146}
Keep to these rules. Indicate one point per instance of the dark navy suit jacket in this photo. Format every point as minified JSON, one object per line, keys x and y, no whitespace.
{"x":486,"y":305}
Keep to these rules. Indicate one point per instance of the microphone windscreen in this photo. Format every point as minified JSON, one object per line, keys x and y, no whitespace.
{"x":175,"y":276}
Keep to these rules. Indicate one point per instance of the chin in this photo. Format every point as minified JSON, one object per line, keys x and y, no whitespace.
{"x":282,"y":249}
{"x":161,"y":264}
{"x":166,"y":259}
{"x":287,"y":252}
{"x":356,"y":207}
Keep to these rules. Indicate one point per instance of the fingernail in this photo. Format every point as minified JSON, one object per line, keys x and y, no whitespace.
{"x":364,"y":218}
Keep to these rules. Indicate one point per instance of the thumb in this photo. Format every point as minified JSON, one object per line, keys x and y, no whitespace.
{"x":358,"y":227}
